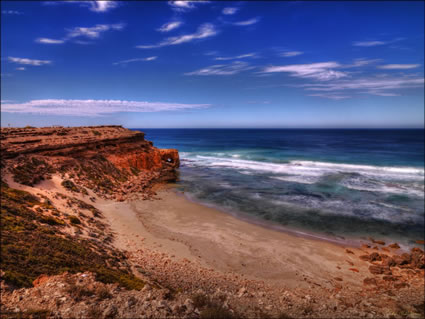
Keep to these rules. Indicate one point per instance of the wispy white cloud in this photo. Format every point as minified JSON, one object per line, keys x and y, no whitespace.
{"x":258,"y":102}
{"x":93,"y":107}
{"x":380,"y":93}
{"x":247,"y":22}
{"x":230,"y":10}
{"x":12,"y":12}
{"x":26,"y":61}
{"x":242,"y":56}
{"x":375,"y":43}
{"x":93,"y":32}
{"x":368,"y":43}
{"x":204,"y":31}
{"x":381,"y":86}
{"x":318,"y":71}
{"x":331,"y":96}
{"x":223,"y":69}
{"x":151,"y":58}
{"x":211,"y":53}
{"x":362,"y":62}
{"x":289,"y":54}
{"x":95,"y":6}
{"x":398,"y":66}
{"x":185,"y":5}
{"x":170,"y":26}
{"x":83,"y":32}
{"x":21,"y":68}
{"x":49,"y":41}
{"x":103,"y":6}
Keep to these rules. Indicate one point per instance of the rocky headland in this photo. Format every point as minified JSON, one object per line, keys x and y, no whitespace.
{"x":87,"y":231}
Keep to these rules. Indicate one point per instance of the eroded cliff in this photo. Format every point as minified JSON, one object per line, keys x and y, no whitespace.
{"x":112,"y":161}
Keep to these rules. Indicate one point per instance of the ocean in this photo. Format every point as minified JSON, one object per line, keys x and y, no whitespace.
{"x":339,"y":184}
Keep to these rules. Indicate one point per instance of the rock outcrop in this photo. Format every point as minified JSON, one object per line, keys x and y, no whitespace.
{"x":110,"y":160}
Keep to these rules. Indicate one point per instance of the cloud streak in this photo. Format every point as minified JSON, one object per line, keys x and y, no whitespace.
{"x":247,"y":22}
{"x":230,"y":10}
{"x":206,"y":30}
{"x":331,"y":96}
{"x":151,"y":58}
{"x":242,"y":56}
{"x":290,"y":54}
{"x":95,"y":6}
{"x":318,"y":71}
{"x":83,"y":32}
{"x":12,"y":12}
{"x":398,"y":66}
{"x":185,"y":5}
{"x":368,"y":43}
{"x":223,"y":69}
{"x":93,"y":108}
{"x":26,"y":61}
{"x":49,"y":41}
{"x":374,"y":43}
{"x":93,"y":32}
{"x":380,"y":86}
{"x":103,"y":6}
{"x":167,"y":27}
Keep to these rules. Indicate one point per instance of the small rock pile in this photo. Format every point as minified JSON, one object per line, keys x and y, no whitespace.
{"x":81,"y":296}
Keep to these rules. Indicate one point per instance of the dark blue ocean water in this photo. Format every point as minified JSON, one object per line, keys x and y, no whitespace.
{"x":338,"y":183}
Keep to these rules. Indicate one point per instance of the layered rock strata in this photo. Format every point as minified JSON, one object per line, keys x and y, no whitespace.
{"x":111,"y":160}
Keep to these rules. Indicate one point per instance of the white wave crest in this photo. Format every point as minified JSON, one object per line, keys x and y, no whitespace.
{"x":360,"y":177}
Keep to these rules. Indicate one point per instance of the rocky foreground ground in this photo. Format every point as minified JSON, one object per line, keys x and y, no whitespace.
{"x":60,"y":258}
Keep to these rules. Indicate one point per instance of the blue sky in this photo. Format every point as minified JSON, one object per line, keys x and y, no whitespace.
{"x":212,"y":64}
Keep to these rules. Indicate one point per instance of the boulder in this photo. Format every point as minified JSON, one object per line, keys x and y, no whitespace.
{"x":369,"y":281}
{"x":395,"y":246}
{"x":380,"y":270}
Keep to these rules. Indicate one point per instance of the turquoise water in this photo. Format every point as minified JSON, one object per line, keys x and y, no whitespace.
{"x":343,"y":184}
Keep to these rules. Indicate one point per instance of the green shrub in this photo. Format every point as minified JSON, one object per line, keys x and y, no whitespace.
{"x":210,"y":309}
{"x":200,"y":300}
{"x":31,"y":171}
{"x":29,"y":249}
{"x":103,"y":293}
{"x":79,"y":292}
{"x":216,"y":312}
{"x":69,"y":185}
{"x":74,"y":220}
{"x":51,"y":221}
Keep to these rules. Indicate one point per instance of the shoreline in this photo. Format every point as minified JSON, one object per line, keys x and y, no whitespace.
{"x":275,"y":226}
{"x":211,"y":238}
{"x":338,"y":240}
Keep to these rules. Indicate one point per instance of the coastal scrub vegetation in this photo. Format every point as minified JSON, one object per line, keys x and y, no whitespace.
{"x":210,"y":308}
{"x":32,"y":171}
{"x":30,"y":248}
{"x":69,"y":185}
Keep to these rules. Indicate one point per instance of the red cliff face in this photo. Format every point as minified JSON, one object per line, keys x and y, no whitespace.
{"x":102,"y":158}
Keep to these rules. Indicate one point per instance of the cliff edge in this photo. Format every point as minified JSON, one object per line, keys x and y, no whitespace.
{"x":112,"y":161}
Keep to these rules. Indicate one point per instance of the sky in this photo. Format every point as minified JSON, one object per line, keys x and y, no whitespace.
{"x":213,"y":64}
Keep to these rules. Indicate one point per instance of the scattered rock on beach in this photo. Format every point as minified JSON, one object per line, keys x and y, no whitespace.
{"x":379,"y":270}
{"x":395,"y":246}
{"x":369,"y":281}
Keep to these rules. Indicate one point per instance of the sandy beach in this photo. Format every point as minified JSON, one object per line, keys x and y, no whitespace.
{"x":183,"y":229}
